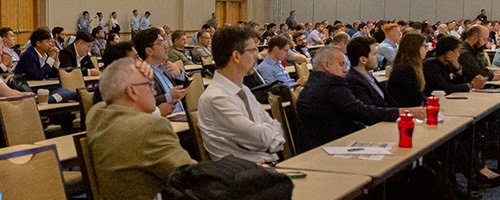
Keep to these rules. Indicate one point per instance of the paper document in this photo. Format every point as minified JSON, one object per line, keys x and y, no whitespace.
{"x":495,"y":90}
{"x":364,"y":150}
{"x":356,"y":150}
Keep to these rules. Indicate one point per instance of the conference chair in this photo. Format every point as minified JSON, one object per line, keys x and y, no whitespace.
{"x":193,"y":126}
{"x":193,"y":93}
{"x":301,"y":70}
{"x":95,"y":62}
{"x":278,"y":113}
{"x":87,"y":166}
{"x":31,"y":172}
{"x":85,"y":97}
{"x":71,"y":78}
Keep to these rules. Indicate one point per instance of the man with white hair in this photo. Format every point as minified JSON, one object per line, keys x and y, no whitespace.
{"x":134,"y":152}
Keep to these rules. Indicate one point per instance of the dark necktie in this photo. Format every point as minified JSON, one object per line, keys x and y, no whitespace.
{"x":243,"y":97}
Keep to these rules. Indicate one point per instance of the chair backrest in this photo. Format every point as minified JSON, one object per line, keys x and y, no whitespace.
{"x":301,"y":69}
{"x":206,"y":60}
{"x":180,"y":65}
{"x":71,"y":78}
{"x":86,"y":98}
{"x":20,"y":121}
{"x":193,"y":93}
{"x":95,"y":62}
{"x":279,"y":114}
{"x":31,"y":172}
{"x":295,"y":92}
{"x":86,"y":166}
{"x":193,"y":125}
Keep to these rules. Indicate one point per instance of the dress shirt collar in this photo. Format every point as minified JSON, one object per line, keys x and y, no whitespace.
{"x":40,"y":57}
{"x":229,"y":86}
{"x":393,"y":44}
{"x":363,"y":73}
{"x":272,"y":62}
{"x":78,"y":58}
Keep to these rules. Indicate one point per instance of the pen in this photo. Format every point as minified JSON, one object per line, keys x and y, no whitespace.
{"x":355,"y":149}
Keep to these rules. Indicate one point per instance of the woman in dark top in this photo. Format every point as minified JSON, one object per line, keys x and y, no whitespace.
{"x":406,"y":83}
{"x":443,"y":72}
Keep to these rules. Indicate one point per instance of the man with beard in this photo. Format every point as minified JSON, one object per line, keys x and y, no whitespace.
{"x":362,"y":53}
{"x":301,"y":45}
{"x":472,"y":57}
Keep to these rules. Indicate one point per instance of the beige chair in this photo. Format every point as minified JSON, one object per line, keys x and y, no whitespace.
{"x":86,"y":99}
{"x":193,"y":93}
{"x":206,"y":61}
{"x":193,"y":125}
{"x":279,"y":114}
{"x":71,"y":78}
{"x":87,"y":166}
{"x":302,"y":70}
{"x":180,"y":65}
{"x":20,"y":121}
{"x":295,"y":92}
{"x":95,"y":62}
{"x":31,"y":172}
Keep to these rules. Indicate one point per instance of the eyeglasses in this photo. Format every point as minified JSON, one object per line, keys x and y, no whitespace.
{"x":255,"y":49}
{"x":151,"y":85}
{"x":161,"y":43}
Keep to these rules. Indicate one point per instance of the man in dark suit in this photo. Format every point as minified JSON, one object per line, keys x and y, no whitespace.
{"x":328,"y":109}
{"x":41,"y":60}
{"x":152,"y":48}
{"x":77,"y":54}
{"x":362,"y":53}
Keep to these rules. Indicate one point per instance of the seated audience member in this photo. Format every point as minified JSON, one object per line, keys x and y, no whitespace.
{"x":354,"y":29}
{"x":378,"y":33}
{"x":270,"y":32}
{"x":77,"y":54}
{"x":59,"y":36}
{"x":6,"y":91}
{"x":452,"y":29}
{"x":9,"y":41}
{"x":471,"y":56}
{"x":152,"y":48}
{"x":283,"y":29}
{"x":100,"y":41}
{"x":328,"y":109}
{"x":113,"y":38}
{"x":203,"y":49}
{"x":308,"y":28}
{"x":231,"y":120}
{"x":340,"y":41}
{"x":496,"y":59}
{"x":271,"y":68}
{"x":442,"y":31}
{"x":332,"y":31}
{"x":316,"y":36}
{"x":388,"y":48}
{"x":443,"y":72}
{"x":168,"y":34}
{"x":362,"y":53}
{"x":301,"y":45}
{"x":362,"y":31}
{"x":112,"y":53}
{"x":402,"y":25}
{"x":134,"y":152}
{"x":178,"y":52}
{"x":406,"y":83}
{"x":194,"y":39}
{"x":41,"y":60}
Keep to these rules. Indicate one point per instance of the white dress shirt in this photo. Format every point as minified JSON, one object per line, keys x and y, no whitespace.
{"x":226,"y":128}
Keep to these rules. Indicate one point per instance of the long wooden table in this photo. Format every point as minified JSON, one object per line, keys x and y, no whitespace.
{"x":54,"y":83}
{"x":327,"y":186}
{"x":477,"y":105}
{"x":57,"y":108}
{"x":425,"y":139}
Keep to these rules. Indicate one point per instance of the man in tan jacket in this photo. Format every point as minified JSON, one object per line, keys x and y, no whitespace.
{"x":134,"y":151}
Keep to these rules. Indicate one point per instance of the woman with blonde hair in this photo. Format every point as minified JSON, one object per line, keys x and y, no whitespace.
{"x":406,"y":83}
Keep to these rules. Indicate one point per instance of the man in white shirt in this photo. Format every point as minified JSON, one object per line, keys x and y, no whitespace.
{"x":231,"y":120}
{"x":9,"y":41}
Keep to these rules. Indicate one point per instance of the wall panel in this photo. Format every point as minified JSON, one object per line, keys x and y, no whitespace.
{"x":423,"y":10}
{"x":348,"y":10}
{"x":397,"y":9}
{"x":372,"y":10}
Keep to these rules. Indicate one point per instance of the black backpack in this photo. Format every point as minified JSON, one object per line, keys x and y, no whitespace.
{"x":227,"y":179}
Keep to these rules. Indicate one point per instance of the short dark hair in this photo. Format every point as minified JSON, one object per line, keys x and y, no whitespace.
{"x":177,"y":34}
{"x":337,"y":22}
{"x":445,"y":44}
{"x":358,"y":47}
{"x":360,"y":26}
{"x":277,"y":41}
{"x":85,"y":12}
{"x":57,"y":30}
{"x":291,"y":12}
{"x":297,"y":35}
{"x":145,"y":39}
{"x":205,"y":26}
{"x":99,"y":14}
{"x":39,"y":35}
{"x":83,"y":35}
{"x":228,"y":39}
{"x":270,"y":26}
{"x":147,"y":13}
{"x":133,"y":11}
{"x":402,"y":23}
{"x":4,"y":31}
{"x":96,"y":30}
{"x":111,"y":37}
{"x":281,"y":25}
{"x":200,"y":34}
{"x":116,"y":51}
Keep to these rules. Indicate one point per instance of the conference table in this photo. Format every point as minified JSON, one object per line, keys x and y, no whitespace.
{"x":327,"y":186}
{"x":52,"y":84}
{"x":476,"y":105}
{"x":57,"y":108}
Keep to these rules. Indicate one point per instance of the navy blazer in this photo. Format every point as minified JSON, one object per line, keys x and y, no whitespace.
{"x":29,"y":64}
{"x":364,"y":91}
{"x":328,"y":110}
{"x":67,"y":57}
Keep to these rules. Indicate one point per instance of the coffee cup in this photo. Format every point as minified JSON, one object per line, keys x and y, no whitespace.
{"x":43,"y":96}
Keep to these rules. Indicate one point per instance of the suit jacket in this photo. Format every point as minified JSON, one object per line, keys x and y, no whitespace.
{"x":67,"y":57}
{"x":134,"y":152}
{"x":161,"y":91}
{"x":29,"y":64}
{"x":176,"y":54}
{"x":364,"y":91}
{"x":328,"y":110}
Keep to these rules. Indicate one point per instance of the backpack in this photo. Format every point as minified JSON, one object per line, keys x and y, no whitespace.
{"x":227,"y":179}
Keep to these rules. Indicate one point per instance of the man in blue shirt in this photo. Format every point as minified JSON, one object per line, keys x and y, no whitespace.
{"x":389,"y":47}
{"x":152,"y":48}
{"x":134,"y":23}
{"x":84,"y":22}
{"x":271,"y":68}
{"x":145,"y":23}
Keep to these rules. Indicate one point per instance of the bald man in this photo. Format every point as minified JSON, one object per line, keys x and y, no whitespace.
{"x":328,"y":108}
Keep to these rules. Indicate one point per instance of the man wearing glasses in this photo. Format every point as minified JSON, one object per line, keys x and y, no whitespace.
{"x":152,"y":48}
{"x":134,"y":151}
{"x":231,"y":119}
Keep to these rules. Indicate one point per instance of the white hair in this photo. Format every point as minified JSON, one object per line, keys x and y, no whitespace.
{"x":116,"y":78}
{"x":324,"y":54}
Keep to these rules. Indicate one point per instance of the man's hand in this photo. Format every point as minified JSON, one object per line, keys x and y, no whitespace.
{"x":6,"y":59}
{"x":54,"y":53}
{"x":166,"y":108}
{"x":145,"y":69}
{"x":178,"y":92}
{"x":94,"y":72}
{"x":301,"y":81}
{"x":417,"y":112}
{"x":478,"y":82}
{"x":171,"y":69}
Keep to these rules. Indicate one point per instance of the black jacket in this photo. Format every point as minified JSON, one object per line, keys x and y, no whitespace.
{"x":404,"y":88}
{"x":440,"y":76}
{"x":364,"y":91}
{"x":67,"y":57}
{"x":328,"y":110}
{"x":29,"y":64}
